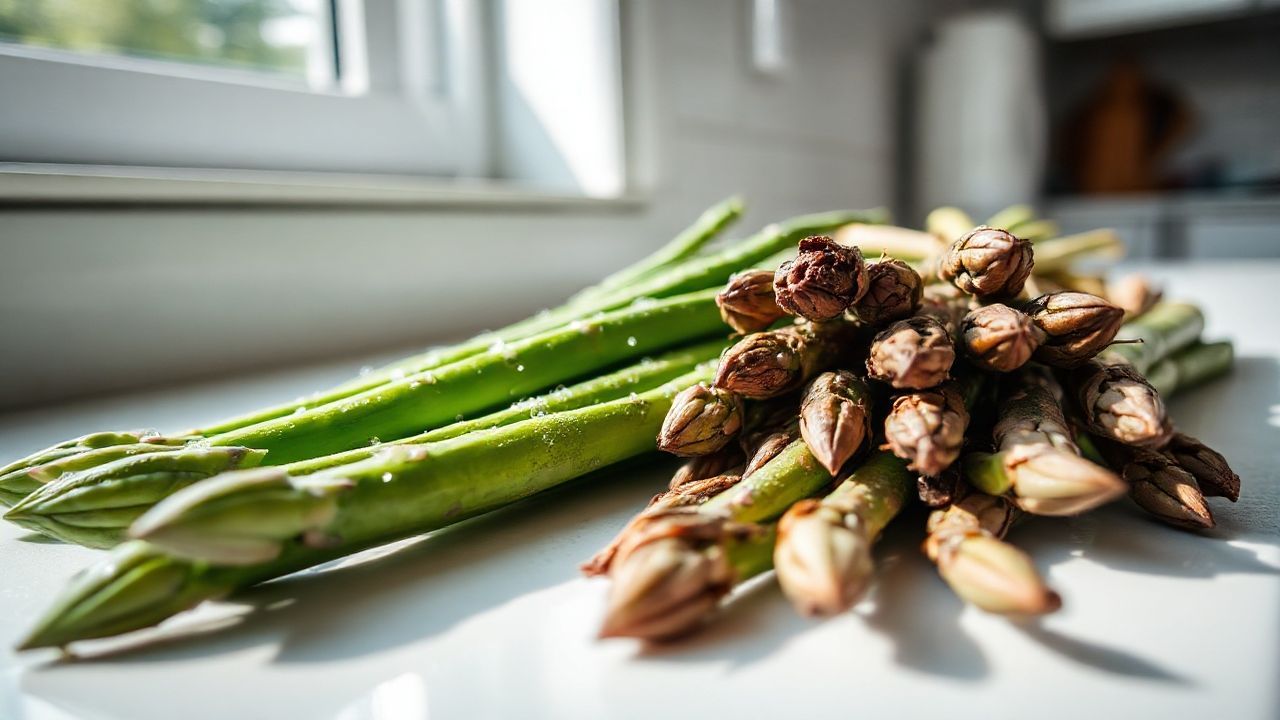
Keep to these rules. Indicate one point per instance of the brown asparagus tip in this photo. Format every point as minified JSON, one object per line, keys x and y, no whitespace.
{"x":927,"y":429}
{"x":747,"y":303}
{"x":824,"y":279}
{"x":1212,"y":473}
{"x":995,"y":576}
{"x":987,"y":262}
{"x":823,"y":559}
{"x":835,"y":417}
{"x":894,"y":292}
{"x":999,"y":338}
{"x":1167,"y":491}
{"x":1049,"y":481}
{"x":1078,"y":326}
{"x":763,"y":449}
{"x":762,"y":365}
{"x":667,"y":579}
{"x":916,"y":353}
{"x":1120,"y":404}
{"x":701,"y":420}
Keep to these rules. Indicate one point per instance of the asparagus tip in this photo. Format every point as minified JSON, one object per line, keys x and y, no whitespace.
{"x":823,"y":559}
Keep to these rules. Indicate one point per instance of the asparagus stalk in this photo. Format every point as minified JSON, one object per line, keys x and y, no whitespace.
{"x":1057,"y":254}
{"x":430,"y":399}
{"x":1191,"y":367}
{"x":710,"y":224}
{"x":690,"y":275}
{"x":695,"y":274}
{"x":823,"y":552}
{"x":1163,"y":330}
{"x":294,"y":523}
{"x":97,"y":507}
{"x":1038,"y":459}
{"x":948,"y":223}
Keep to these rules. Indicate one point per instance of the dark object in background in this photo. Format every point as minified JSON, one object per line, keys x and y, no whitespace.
{"x":1124,"y":132}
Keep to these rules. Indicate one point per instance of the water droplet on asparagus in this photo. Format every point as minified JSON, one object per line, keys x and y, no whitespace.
{"x":631,"y":341}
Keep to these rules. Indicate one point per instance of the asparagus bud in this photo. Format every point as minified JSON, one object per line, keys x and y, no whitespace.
{"x":747,"y":303}
{"x":672,"y":574}
{"x":728,"y":459}
{"x":894,"y":292}
{"x":1044,"y":480}
{"x":823,"y":558}
{"x":915,"y":354}
{"x":823,"y":554}
{"x":243,"y":518}
{"x":1210,"y":469}
{"x":1118,"y":403}
{"x":995,"y":576}
{"x":823,"y":280}
{"x":987,"y":262}
{"x":927,"y":428}
{"x":768,"y":364}
{"x":764,"y":447}
{"x":1167,"y":491}
{"x":690,"y":494}
{"x":999,"y":338}
{"x":1134,"y":294}
{"x":1078,"y":326}
{"x":701,"y":420}
{"x":835,"y":417}
{"x":762,"y":365}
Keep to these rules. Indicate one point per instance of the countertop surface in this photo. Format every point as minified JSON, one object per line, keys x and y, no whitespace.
{"x":490,"y":618}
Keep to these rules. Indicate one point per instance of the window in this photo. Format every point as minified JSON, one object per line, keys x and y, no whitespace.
{"x":523,"y":91}
{"x":356,"y":86}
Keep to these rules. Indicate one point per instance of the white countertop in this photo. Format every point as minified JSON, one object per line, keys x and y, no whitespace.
{"x":490,"y":619}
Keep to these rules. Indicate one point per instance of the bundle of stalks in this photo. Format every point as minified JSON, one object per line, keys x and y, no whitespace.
{"x":922,"y":357}
{"x":813,"y":386}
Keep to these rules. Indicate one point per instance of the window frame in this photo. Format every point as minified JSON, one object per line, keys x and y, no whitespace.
{"x":411,"y":100}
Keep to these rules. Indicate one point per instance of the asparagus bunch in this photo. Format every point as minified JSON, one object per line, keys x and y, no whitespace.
{"x":780,"y":436}
{"x":928,"y":354}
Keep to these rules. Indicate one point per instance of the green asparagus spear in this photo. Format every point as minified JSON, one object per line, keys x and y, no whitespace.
{"x":1161,"y":331}
{"x":694,"y":274}
{"x":92,"y":505}
{"x":710,"y":224}
{"x":1190,"y":367}
{"x":401,"y":492}
{"x":115,"y":500}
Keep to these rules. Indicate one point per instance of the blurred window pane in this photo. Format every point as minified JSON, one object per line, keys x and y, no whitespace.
{"x":288,"y":37}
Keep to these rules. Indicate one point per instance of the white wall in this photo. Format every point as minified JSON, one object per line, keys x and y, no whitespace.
{"x":96,"y":300}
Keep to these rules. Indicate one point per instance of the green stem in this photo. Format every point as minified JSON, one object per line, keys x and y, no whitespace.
{"x":406,"y":491}
{"x":1163,"y":330}
{"x":694,"y":274}
{"x":436,"y":397}
{"x":1059,"y":253}
{"x":793,"y":475}
{"x":985,"y":471}
{"x":685,"y":245}
{"x":636,"y":378}
{"x":877,"y":491}
{"x":1190,"y":367}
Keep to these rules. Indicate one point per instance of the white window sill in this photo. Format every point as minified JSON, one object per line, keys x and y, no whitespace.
{"x":49,"y":184}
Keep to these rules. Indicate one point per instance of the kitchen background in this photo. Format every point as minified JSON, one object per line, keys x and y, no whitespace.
{"x":603,"y":128}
